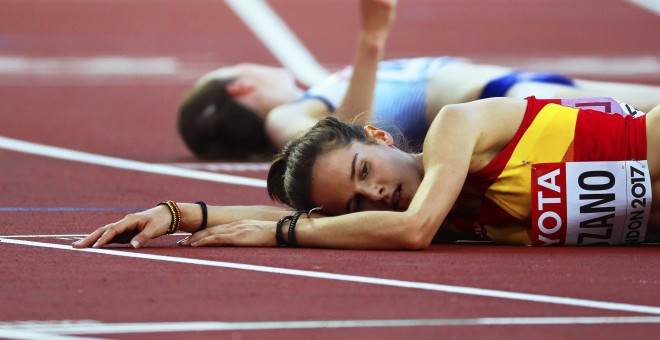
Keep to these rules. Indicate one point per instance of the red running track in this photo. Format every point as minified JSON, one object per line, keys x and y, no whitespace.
{"x":251,"y":293}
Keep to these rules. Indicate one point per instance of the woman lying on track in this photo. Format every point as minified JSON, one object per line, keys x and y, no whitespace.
{"x":248,"y":110}
{"x":507,"y":170}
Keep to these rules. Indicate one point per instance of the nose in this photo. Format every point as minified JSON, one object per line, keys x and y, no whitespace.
{"x":375,"y":198}
{"x":374,"y":192}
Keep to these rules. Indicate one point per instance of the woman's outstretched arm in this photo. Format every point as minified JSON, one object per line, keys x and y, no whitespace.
{"x":139,"y":228}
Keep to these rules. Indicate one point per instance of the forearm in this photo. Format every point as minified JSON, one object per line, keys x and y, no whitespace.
{"x":365,"y":230}
{"x":192,"y":215}
{"x":357,"y":104}
{"x":287,"y":121}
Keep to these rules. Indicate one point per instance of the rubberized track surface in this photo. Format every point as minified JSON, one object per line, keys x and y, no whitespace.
{"x":105,"y":78}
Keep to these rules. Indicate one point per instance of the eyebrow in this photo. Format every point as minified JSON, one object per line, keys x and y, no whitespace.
{"x":353,"y":166}
{"x":348,"y":204}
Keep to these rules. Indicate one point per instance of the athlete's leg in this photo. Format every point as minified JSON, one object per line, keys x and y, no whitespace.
{"x":518,"y":84}
{"x":642,"y":97}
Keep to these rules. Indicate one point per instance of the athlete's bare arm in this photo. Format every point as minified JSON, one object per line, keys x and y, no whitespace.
{"x":285,"y":122}
{"x":377,"y":17}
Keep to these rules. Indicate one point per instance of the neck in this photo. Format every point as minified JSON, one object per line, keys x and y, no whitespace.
{"x":419,"y":161}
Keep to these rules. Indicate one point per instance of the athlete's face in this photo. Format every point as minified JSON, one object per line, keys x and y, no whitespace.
{"x":266,"y":77}
{"x":363,"y":177}
{"x":259,"y":87}
{"x":261,"y":75}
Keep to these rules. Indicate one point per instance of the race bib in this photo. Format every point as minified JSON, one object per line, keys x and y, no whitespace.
{"x":603,"y":104}
{"x":590,"y":203}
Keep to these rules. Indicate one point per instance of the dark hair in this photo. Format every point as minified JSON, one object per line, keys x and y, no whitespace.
{"x":215,"y":126}
{"x":290,"y":175}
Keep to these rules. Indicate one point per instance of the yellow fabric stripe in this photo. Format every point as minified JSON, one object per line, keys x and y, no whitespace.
{"x":515,"y":234}
{"x":545,"y":141}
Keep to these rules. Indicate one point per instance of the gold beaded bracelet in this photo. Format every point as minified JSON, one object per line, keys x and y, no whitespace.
{"x":175,"y":212}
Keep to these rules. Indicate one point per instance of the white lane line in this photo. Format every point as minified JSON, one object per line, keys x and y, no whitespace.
{"x":158,"y":67}
{"x":631,"y":66}
{"x":257,"y":166}
{"x":71,"y":235}
{"x":163,"y":327}
{"x":559,"y":300}
{"x":31,"y":335}
{"x":650,"y":5}
{"x":114,"y":65}
{"x":278,"y":38}
{"x":120,"y":163}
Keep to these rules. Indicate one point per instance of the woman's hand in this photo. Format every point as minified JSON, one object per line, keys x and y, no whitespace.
{"x":135,"y":228}
{"x":244,"y":233}
{"x":377,"y":16}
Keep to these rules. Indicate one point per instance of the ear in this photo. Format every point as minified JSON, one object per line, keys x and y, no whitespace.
{"x":239,"y":88}
{"x":379,"y":135}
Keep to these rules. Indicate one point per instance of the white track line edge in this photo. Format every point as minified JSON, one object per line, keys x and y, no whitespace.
{"x":161,"y":327}
{"x":364,"y":279}
{"x":120,"y":163}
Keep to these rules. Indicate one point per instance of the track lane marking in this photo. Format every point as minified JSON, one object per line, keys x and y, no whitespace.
{"x":652,"y":6}
{"x":225,"y":166}
{"x":71,"y":209}
{"x":279,"y":39}
{"x":110,"y":65}
{"x":171,"y":67}
{"x":71,"y":235}
{"x":32,"y":335}
{"x":165,"y":327}
{"x":120,"y":163}
{"x":559,"y":300}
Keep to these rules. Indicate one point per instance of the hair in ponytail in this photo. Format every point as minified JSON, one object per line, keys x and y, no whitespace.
{"x":290,"y":176}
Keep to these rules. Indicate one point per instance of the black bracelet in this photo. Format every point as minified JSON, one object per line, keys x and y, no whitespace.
{"x":278,"y":231}
{"x":292,"y":228}
{"x":204,"y":214}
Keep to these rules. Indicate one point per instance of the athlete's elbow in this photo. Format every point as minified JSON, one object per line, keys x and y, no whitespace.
{"x":414,"y":236}
{"x":414,"y":242}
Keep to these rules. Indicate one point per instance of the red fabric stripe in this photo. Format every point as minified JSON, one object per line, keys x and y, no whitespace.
{"x":607,"y":137}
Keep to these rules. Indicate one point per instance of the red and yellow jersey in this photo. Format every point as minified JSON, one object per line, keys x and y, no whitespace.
{"x":549,"y":133}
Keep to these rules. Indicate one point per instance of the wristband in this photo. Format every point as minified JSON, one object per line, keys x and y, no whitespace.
{"x":278,"y":231}
{"x":292,"y":228}
{"x":204,"y":214}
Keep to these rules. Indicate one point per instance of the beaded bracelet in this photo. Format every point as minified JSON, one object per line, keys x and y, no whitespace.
{"x":204,"y":214}
{"x":292,"y":228}
{"x":176,"y":216}
{"x":278,"y":231}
